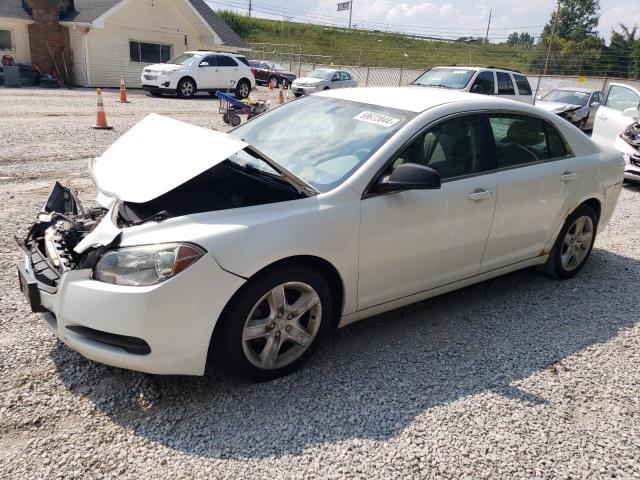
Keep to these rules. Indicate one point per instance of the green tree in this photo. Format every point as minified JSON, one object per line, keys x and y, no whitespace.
{"x":577,"y":20}
{"x":522,"y":39}
{"x":622,"y":54}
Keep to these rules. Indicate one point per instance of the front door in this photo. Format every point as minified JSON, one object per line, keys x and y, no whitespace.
{"x":416,"y":240}
{"x":537,"y":181}
{"x":207,"y":73}
{"x":610,"y":122}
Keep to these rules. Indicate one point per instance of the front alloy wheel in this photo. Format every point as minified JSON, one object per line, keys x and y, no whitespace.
{"x":274,"y":323}
{"x":186,"y":88}
{"x":282,"y":325}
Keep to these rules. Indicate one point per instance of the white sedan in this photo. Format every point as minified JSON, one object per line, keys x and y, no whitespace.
{"x":247,"y":247}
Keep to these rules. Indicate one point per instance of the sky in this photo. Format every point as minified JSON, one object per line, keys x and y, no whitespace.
{"x":440,"y":18}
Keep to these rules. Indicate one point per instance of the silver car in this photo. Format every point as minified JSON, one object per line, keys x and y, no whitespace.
{"x":575,"y":104}
{"x":323,"y":79}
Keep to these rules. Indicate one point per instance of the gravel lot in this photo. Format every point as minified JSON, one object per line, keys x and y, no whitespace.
{"x":518,"y":377}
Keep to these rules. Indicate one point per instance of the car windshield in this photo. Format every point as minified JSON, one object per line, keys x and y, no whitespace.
{"x":456,"y":78}
{"x":183,"y":59}
{"x":567,"y":96}
{"x":275,"y":66}
{"x":321,"y":74}
{"x":322,"y":140}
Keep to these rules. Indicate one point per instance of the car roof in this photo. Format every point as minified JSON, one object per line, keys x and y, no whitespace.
{"x":207,"y":52}
{"x":414,"y":99}
{"x":477,"y":67}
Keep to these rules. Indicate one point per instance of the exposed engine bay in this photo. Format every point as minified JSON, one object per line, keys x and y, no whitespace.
{"x":63,"y":223}
{"x":631,"y":135}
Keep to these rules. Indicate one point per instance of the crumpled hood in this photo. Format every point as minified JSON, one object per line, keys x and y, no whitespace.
{"x":556,"y":107}
{"x":157,"y":155}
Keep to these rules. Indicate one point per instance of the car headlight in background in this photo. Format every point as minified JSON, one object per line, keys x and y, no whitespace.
{"x":146,"y":265}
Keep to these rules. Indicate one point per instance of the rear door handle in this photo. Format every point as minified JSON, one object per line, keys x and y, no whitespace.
{"x":568,"y":176}
{"x":480,"y":194}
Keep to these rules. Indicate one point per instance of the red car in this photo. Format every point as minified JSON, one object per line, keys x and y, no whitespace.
{"x":271,"y":72}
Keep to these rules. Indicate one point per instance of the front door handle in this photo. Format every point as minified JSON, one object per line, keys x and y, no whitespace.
{"x":568,"y":176}
{"x":480,"y":194}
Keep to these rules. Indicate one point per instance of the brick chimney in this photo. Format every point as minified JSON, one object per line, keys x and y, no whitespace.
{"x":48,"y":38}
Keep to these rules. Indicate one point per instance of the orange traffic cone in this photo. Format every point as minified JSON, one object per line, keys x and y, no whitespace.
{"x":123,"y":92}
{"x":101,"y":117}
{"x":281,"y":97}
{"x":270,"y":85}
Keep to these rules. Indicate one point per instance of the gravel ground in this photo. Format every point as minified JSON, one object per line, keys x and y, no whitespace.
{"x":518,"y":377}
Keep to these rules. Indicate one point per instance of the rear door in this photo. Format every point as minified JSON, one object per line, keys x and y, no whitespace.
{"x":610,"y":122}
{"x":346,"y":80}
{"x":227,"y":71}
{"x":537,"y":178}
{"x":505,"y":86}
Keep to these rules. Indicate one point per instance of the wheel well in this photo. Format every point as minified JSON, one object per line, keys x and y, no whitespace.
{"x":189,"y":78}
{"x":326,"y":269}
{"x":595,"y":204}
{"x":244,"y":79}
{"x":326,"y":88}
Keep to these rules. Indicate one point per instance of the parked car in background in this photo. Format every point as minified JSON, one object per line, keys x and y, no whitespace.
{"x":323,"y":79}
{"x":575,"y":104}
{"x":489,"y":80}
{"x":201,"y":70}
{"x":318,"y":213}
{"x":621,"y":109}
{"x":271,"y":72}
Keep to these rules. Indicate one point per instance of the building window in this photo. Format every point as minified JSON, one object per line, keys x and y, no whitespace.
{"x":149,"y":52}
{"x":5,"y":40}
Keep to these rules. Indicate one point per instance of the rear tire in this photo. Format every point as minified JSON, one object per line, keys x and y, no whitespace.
{"x":260,"y":319}
{"x":243,"y":89}
{"x":573,"y":245}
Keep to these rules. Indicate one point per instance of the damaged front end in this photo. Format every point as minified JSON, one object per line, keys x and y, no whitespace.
{"x":50,"y":244}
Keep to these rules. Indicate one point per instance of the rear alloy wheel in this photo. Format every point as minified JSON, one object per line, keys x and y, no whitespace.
{"x":186,"y":88}
{"x":574,"y":244}
{"x":243,"y":89}
{"x":275,"y":323}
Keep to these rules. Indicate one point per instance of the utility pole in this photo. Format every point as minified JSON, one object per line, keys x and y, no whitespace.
{"x":486,"y":37}
{"x":250,"y":8}
{"x":546,"y":62}
{"x":350,"y":12}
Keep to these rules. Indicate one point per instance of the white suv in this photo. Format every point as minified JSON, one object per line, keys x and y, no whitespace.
{"x":191,"y":72}
{"x":485,"y":80}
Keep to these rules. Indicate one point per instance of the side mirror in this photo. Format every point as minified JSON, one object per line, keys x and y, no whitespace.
{"x":204,"y":64}
{"x":633,"y":113}
{"x":409,"y":176}
{"x":595,"y":104}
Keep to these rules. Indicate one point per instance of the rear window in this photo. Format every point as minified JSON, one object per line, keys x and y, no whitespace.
{"x":243,"y":60}
{"x":523,"y":84}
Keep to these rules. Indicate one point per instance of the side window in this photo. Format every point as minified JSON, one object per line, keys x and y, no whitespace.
{"x":621,"y":98}
{"x":523,"y":84}
{"x":211,"y":60}
{"x":557,"y":148}
{"x":224,"y":61}
{"x":505,"y":85}
{"x":345,"y":76}
{"x":5,"y":40}
{"x":483,"y":84}
{"x":336,"y":76}
{"x":453,"y":148}
{"x":519,"y":139}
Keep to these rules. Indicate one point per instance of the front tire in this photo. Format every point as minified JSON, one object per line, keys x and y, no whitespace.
{"x":274,"y":323}
{"x":186,"y":88}
{"x":573,"y":245}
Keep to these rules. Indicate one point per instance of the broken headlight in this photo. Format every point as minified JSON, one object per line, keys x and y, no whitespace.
{"x":146,"y":265}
